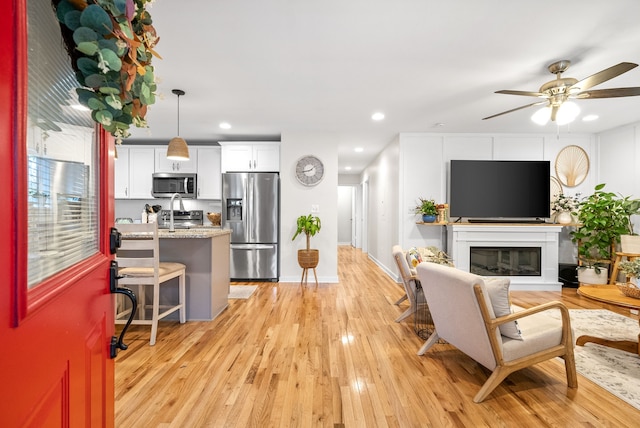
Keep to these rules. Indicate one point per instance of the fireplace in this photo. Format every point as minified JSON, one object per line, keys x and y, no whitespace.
{"x":527,"y":254}
{"x":505,"y":261}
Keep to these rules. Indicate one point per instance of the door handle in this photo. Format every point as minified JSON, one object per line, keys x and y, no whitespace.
{"x":117,"y":343}
{"x":115,"y":240}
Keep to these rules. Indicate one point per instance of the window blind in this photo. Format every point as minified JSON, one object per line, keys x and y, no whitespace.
{"x":62,"y":156}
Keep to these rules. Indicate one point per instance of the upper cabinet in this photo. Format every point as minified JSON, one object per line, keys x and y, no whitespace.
{"x":162,"y":164}
{"x":133,"y":172}
{"x":250,"y":156}
{"x":209,"y":178}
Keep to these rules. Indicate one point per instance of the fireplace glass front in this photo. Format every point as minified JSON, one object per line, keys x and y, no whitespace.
{"x":505,"y":261}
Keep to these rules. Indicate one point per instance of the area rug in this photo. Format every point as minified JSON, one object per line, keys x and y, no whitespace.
{"x":616,"y":371}
{"x":241,"y":291}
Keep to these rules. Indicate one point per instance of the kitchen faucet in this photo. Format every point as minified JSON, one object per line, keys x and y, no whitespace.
{"x":172,"y":227}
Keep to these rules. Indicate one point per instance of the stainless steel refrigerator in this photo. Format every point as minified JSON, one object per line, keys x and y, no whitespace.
{"x":251,"y":209}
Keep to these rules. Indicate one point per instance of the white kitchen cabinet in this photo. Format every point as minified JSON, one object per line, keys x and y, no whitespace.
{"x":167,"y":165}
{"x":209,"y":177}
{"x":121,"y":173}
{"x":133,"y":172}
{"x":250,"y":156}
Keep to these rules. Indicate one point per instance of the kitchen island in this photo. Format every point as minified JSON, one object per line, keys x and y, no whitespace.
{"x":205,"y":253}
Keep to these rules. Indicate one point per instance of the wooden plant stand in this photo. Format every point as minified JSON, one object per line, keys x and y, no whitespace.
{"x":308,"y":259}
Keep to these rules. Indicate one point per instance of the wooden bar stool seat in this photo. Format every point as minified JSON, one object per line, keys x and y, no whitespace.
{"x":616,"y":265}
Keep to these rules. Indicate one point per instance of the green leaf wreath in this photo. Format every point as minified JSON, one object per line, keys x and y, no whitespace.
{"x":111,"y":43}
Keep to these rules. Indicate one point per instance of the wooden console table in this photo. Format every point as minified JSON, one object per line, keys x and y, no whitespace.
{"x":610,"y":294}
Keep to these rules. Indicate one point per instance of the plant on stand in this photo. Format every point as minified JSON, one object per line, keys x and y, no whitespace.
{"x":630,"y":241}
{"x":308,"y":225}
{"x":602,"y":219}
{"x":565,"y":208}
{"x":428,"y":209}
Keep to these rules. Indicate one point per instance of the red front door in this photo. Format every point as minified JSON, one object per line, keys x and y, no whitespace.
{"x":56,"y":316}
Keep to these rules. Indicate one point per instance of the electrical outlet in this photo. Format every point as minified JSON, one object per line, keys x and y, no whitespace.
{"x":315,"y":208}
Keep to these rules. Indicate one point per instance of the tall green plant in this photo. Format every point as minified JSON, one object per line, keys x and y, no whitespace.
{"x":309,"y":225}
{"x":603,"y":217}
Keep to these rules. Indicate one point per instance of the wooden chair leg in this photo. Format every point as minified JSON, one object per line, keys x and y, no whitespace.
{"x":429,"y":343}
{"x":400,"y":300}
{"x":155,"y":313}
{"x":183,"y":299}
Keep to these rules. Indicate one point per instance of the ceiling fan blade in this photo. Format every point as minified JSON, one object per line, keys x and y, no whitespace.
{"x":610,"y":93}
{"x":525,"y":93}
{"x":604,"y":75}
{"x":515,"y":109}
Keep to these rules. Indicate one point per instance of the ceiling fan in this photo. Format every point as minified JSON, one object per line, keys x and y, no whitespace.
{"x":557,"y":91}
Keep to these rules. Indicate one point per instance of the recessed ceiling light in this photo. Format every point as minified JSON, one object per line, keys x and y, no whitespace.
{"x":358,"y":149}
{"x":589,"y":117}
{"x":79,"y":107}
{"x":225,"y":125}
{"x":348,"y":168}
{"x":377,"y":116}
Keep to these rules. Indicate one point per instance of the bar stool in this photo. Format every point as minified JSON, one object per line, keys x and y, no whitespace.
{"x":616,"y":265}
{"x":139,"y":262}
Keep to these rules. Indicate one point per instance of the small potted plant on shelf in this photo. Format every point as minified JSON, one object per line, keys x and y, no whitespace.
{"x":428,"y":209}
{"x":309,"y":225}
{"x":602,"y":219}
{"x":565,"y":208}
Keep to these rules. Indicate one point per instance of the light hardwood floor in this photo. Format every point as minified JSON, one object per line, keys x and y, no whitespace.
{"x":332,"y":356}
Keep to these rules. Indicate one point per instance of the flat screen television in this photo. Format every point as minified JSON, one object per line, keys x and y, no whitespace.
{"x":495,"y":190}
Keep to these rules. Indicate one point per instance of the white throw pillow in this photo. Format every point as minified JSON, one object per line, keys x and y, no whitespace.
{"x":498,"y":289}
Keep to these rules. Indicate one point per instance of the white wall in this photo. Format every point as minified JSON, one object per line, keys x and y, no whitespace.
{"x":345,"y":214}
{"x":296,"y":200}
{"x":618,"y":160}
{"x":383,"y":201}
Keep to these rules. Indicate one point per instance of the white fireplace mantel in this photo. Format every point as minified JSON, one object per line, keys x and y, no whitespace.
{"x":461,"y":237}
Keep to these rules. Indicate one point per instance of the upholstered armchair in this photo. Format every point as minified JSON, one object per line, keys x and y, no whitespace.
{"x":474,"y":314}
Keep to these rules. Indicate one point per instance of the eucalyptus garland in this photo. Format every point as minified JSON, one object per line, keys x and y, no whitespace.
{"x":111,"y":44}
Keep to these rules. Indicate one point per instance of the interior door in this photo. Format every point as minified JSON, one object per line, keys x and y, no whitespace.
{"x":56,"y":316}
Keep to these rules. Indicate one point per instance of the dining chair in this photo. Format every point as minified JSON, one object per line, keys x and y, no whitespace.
{"x":139,"y":265}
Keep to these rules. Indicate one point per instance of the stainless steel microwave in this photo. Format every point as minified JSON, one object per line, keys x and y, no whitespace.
{"x":165,"y":184}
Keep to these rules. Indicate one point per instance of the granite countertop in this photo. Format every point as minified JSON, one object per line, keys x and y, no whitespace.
{"x":194,"y":233}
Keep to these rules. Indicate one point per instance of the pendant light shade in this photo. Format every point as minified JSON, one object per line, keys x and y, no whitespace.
{"x":178,"y":149}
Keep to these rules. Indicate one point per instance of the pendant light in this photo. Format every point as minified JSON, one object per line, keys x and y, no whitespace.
{"x":177,"y":149}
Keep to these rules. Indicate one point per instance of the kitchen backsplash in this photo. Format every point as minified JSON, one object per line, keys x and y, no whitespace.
{"x":132,"y":208}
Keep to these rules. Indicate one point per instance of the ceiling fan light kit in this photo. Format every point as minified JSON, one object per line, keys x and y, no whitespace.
{"x":177,"y":148}
{"x":556,"y":93}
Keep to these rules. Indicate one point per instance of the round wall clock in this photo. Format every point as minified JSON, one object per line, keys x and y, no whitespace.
{"x":309,"y":170}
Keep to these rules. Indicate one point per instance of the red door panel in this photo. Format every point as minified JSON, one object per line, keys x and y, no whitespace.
{"x":55,"y":363}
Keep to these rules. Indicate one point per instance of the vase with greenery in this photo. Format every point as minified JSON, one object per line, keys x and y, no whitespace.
{"x":564,"y":208}
{"x":602,"y":218}
{"x":308,"y":225}
{"x":428,"y":209}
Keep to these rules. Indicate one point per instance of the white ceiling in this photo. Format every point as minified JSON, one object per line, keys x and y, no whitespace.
{"x":272,"y":66}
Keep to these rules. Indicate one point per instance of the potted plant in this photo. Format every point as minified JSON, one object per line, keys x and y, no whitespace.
{"x":630,"y":241}
{"x":602,"y":219}
{"x":631,"y":268}
{"x":309,"y":225}
{"x":428,"y":209}
{"x":565,"y":208}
